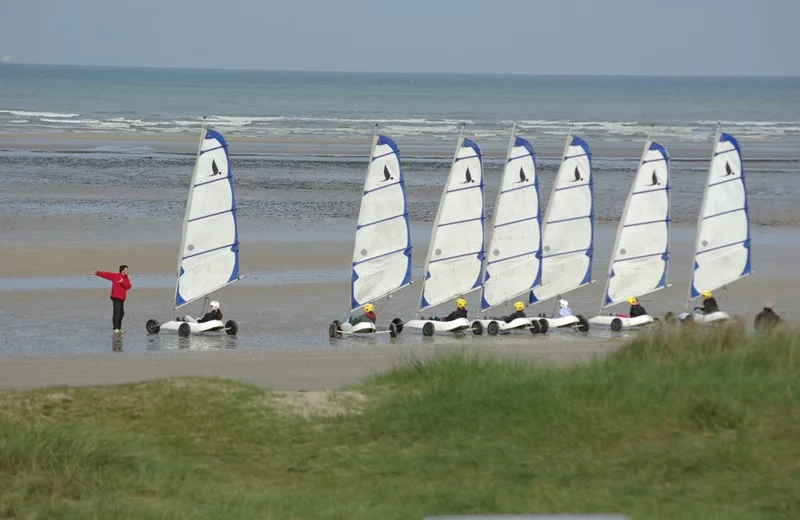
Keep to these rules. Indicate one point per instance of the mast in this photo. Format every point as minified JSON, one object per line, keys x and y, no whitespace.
{"x":188,"y":211}
{"x":700,"y":214}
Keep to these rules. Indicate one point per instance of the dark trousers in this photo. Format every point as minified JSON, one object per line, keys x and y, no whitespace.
{"x":119,"y":312}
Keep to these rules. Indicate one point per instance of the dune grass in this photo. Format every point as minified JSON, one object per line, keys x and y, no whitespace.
{"x":677,"y":424}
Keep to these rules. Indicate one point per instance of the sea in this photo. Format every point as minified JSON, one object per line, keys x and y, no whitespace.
{"x":98,"y":143}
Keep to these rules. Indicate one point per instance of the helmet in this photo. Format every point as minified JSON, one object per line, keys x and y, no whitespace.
{"x":706,"y":294}
{"x":519,"y":306}
{"x":369,"y":307}
{"x":214,"y":305}
{"x":461,"y":303}
{"x":632,"y":300}
{"x":563,"y":303}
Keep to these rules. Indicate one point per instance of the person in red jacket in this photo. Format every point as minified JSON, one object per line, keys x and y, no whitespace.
{"x":120,"y":284}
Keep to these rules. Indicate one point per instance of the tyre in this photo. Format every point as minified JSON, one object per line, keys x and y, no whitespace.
{"x":535,"y":328}
{"x":398,"y":323}
{"x":616,"y":324}
{"x":393,"y":330}
{"x":427,"y":329}
{"x":333,"y":330}
{"x":477,"y":328}
{"x":184,"y":329}
{"x":544,"y":326}
{"x":231,"y":327}
{"x":152,"y":327}
{"x":669,"y":318}
{"x":583,"y":324}
{"x":493,"y":328}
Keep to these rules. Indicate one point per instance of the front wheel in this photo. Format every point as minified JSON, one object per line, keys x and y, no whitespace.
{"x":535,"y":329}
{"x":152,"y":327}
{"x":333,"y":330}
{"x":231,"y":327}
{"x":393,"y":330}
{"x":583,"y":324}
{"x":427,"y":329}
{"x":184,"y":329}
{"x":398,"y":324}
{"x":493,"y":328}
{"x":544,"y":325}
{"x":477,"y":328}
{"x":616,"y":324}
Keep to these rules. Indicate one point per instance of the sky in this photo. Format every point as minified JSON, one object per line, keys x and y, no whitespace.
{"x":641,"y":37}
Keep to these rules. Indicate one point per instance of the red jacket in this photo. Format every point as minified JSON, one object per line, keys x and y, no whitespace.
{"x":119,"y":284}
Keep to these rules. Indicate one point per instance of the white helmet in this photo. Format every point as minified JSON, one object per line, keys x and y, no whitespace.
{"x":214,"y":305}
{"x":563,"y":303}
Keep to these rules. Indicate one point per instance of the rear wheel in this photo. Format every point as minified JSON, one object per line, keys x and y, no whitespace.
{"x":669,"y":317}
{"x":493,"y":328}
{"x":152,"y":327}
{"x":231,"y":327}
{"x":535,"y":329}
{"x":333,"y":330}
{"x":427,"y":329}
{"x":393,"y":329}
{"x":398,"y":323}
{"x":616,"y":324}
{"x":184,"y":329}
{"x":544,"y":325}
{"x":583,"y":324}
{"x":477,"y":328}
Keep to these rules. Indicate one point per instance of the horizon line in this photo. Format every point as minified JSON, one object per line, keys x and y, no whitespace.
{"x":340,"y":71}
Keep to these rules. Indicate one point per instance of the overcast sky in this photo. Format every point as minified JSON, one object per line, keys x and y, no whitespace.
{"x":686,"y":37}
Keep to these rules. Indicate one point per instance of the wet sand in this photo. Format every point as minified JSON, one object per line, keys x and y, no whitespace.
{"x":298,"y":370}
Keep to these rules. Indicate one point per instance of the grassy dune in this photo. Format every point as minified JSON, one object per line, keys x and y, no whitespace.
{"x":678,"y":424}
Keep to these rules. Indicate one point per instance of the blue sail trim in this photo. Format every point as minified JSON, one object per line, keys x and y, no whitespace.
{"x":370,"y":259}
{"x":645,"y":223}
{"x":520,"y":255}
{"x":461,"y":221}
{"x":724,"y":213}
{"x":221,"y":179}
{"x":362,"y":226}
{"x":373,"y":190}
{"x":569,"y":219}
{"x":517,"y":188}
{"x":467,"y":187}
{"x":232,"y":210}
{"x":573,"y":187}
{"x":518,"y":221}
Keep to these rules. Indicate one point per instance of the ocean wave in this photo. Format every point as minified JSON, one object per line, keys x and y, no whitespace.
{"x":398,"y":127}
{"x":24,"y":113}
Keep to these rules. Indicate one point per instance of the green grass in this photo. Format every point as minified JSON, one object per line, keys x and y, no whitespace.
{"x":678,"y":424}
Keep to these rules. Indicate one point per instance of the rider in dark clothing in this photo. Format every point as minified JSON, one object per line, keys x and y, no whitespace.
{"x":709,"y":303}
{"x":767,"y":317}
{"x":636,"y":309}
{"x":460,"y":312}
{"x":518,"y":314}
{"x":213,"y":314}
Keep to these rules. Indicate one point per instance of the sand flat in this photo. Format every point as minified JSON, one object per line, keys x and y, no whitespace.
{"x":310,"y":369}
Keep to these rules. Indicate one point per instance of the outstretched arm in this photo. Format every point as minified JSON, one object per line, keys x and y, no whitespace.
{"x":105,"y":274}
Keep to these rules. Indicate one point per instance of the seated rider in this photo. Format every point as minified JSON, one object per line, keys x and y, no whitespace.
{"x":460,"y":312}
{"x":214,"y":313}
{"x":564,"y":308}
{"x":368,"y":316}
{"x":636,"y":309}
{"x":767,"y":317}
{"x":709,"y":303}
{"x":518,"y":314}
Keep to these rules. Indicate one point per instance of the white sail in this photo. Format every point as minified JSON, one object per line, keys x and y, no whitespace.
{"x":568,"y":227}
{"x":640,"y":255}
{"x":455,"y":254}
{"x":209,"y":253}
{"x":382,"y":252}
{"x":722,"y":250}
{"x":513,"y":264}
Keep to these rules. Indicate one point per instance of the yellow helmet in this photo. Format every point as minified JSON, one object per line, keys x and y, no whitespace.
{"x":369,"y":307}
{"x":461,"y":303}
{"x":631,"y":300}
{"x":519,"y":306}
{"x":706,"y":294}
